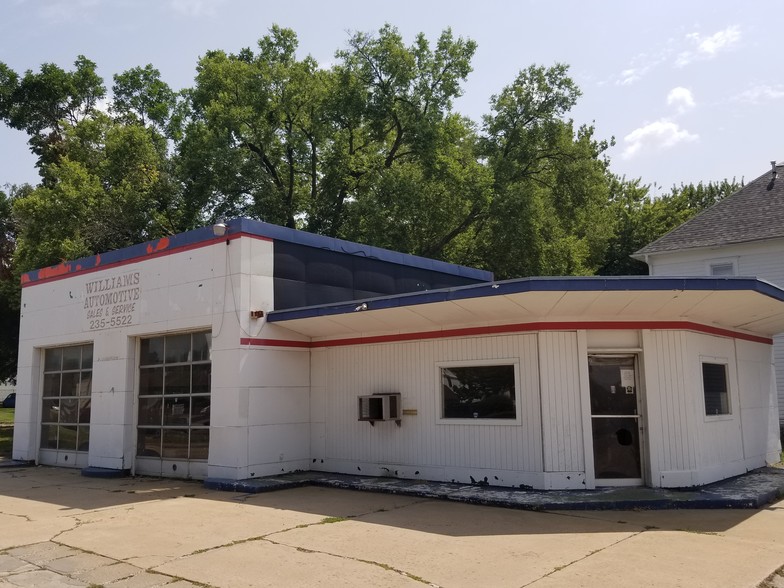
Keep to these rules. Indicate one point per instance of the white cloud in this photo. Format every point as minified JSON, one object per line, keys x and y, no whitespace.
{"x":642,"y":63}
{"x":681,"y":98}
{"x":710,"y":46}
{"x":760,"y":94}
{"x":66,"y":10}
{"x":103,"y":104}
{"x":196,"y":8}
{"x":660,"y":134}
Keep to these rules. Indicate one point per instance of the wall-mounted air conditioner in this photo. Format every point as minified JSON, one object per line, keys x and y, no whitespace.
{"x":380,"y":407}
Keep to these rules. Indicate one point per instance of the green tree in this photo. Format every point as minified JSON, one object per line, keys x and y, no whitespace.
{"x":361,"y":150}
{"x":42,"y":103}
{"x":641,"y":218}
{"x":9,"y":286}
{"x":110,"y":191}
{"x":548,"y":215}
{"x":139,"y":96}
{"x":253,"y":137}
{"x":417,"y":184}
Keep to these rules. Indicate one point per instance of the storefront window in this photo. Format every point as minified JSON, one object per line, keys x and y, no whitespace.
{"x":478,"y":392}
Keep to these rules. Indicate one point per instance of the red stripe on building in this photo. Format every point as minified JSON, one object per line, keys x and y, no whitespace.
{"x":67,"y":269}
{"x":512,"y":328}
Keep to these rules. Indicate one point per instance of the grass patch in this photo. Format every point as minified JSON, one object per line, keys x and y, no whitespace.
{"x":329,"y":520}
{"x":6,"y":431}
{"x":6,"y":441}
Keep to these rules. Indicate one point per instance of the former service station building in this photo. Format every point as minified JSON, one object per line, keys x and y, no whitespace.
{"x":246,"y":350}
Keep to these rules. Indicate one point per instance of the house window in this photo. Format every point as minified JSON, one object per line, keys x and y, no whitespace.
{"x":714,"y":385}
{"x":67,"y":386}
{"x":724,"y":268}
{"x":479,"y":392}
{"x":174,"y":396}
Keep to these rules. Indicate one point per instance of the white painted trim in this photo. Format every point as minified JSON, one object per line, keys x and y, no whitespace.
{"x":728,"y":416}
{"x":585,"y":407}
{"x":614,"y":351}
{"x":721,"y":261}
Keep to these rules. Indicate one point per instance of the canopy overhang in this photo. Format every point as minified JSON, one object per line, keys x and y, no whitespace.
{"x":742,"y":305}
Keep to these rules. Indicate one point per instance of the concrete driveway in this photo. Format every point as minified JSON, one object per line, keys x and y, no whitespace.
{"x":60,"y":529}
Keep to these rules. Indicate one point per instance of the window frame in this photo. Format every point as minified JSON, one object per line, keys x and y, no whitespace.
{"x":724,"y":261}
{"x":722,"y":361}
{"x":439,"y":396}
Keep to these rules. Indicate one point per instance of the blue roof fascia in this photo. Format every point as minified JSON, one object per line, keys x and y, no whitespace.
{"x":537,"y":284}
{"x":240,"y":226}
{"x":128,"y":254}
{"x":277,"y":232}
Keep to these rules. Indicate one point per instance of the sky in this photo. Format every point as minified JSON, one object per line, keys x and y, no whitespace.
{"x":690,"y":91}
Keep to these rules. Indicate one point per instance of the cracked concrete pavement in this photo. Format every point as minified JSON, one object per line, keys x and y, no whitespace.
{"x":58,"y":528}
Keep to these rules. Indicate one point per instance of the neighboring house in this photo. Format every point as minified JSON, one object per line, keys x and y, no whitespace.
{"x":742,"y":235}
{"x":247,"y":350}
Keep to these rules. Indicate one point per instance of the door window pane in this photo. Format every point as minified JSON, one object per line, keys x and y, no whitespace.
{"x":151,"y":351}
{"x":72,"y":358}
{"x":151,"y":381}
{"x":148,"y":442}
{"x":200,"y":443}
{"x":202,"y":342}
{"x":176,"y":410}
{"x":178,"y":348}
{"x":84,"y":439}
{"x":52,"y":384}
{"x":48,"y":436}
{"x":177,"y":380}
{"x":175,"y":444}
{"x":87,"y":357}
{"x":53,"y":360}
{"x":616,"y":448}
{"x":70,"y":384}
{"x":612,"y":385}
{"x":66,"y":438}
{"x":150,"y":411}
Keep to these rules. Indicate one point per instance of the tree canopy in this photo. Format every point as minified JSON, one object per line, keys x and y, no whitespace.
{"x":368,"y":148}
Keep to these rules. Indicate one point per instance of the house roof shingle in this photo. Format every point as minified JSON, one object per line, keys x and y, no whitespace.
{"x":753,"y":213}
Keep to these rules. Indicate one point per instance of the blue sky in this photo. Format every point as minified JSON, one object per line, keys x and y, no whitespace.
{"x":691,"y":91}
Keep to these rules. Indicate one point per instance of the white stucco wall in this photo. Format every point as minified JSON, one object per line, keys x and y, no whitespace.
{"x":259,"y":397}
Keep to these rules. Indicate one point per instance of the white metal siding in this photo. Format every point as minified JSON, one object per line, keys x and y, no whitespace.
{"x":422,"y":441}
{"x":719,"y":442}
{"x":562,"y":428}
{"x":757,"y":398}
{"x":670,"y":416}
{"x":763,"y":260}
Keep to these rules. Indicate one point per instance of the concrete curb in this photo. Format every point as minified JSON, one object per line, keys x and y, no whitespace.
{"x":749,"y":491}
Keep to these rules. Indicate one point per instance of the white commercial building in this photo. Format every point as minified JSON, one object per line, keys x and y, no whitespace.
{"x":266,"y":350}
